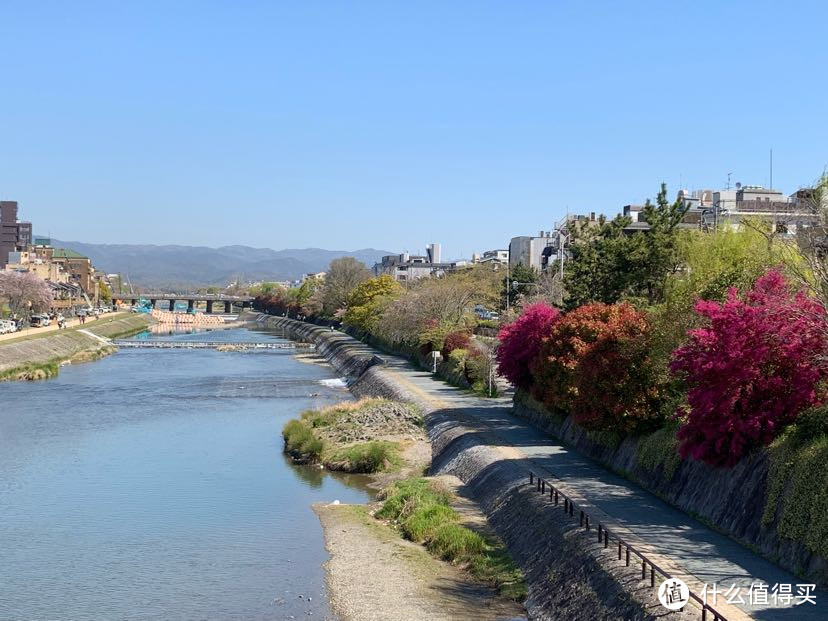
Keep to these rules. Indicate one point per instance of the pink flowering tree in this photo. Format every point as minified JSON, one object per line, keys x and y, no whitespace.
{"x":24,"y":292}
{"x":520,"y":342}
{"x":751,"y":371}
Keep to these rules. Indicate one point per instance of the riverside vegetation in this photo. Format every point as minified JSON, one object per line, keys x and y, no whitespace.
{"x":371,"y":436}
{"x":700,"y":347}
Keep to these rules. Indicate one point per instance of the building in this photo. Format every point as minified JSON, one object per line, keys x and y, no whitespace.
{"x":14,"y":235}
{"x":320,"y":276}
{"x":531,"y":251}
{"x":544,"y":250}
{"x":786,"y":214}
{"x":26,"y":261}
{"x":492,"y":257}
{"x":77,"y":267}
{"x":406,"y":267}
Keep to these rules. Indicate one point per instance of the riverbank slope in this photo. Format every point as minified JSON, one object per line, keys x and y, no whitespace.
{"x":39,"y":356}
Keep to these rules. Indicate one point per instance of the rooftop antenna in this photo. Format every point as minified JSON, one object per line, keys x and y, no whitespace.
{"x":728,"y":180}
{"x":771,"y":169}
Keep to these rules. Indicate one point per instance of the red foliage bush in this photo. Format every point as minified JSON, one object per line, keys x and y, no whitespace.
{"x":750,"y":371}
{"x":614,"y":379}
{"x":594,"y":365}
{"x":520,"y":342}
{"x":455,"y":340}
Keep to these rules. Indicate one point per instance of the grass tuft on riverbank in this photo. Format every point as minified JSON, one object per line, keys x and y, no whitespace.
{"x":423,"y":514}
{"x":31,"y":371}
{"x":361,"y":437}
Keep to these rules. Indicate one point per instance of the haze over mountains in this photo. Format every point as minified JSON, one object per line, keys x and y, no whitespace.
{"x":176,"y":267}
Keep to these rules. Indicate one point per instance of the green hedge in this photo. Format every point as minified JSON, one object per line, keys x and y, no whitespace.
{"x":797,"y":492}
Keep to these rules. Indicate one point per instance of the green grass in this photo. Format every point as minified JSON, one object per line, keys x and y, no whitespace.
{"x":424,"y":515}
{"x":366,"y":458}
{"x":301,"y":443}
{"x":33,"y":370}
{"x":302,"y":440}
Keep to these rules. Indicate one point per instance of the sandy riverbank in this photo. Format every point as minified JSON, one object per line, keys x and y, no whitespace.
{"x":375,"y":575}
{"x":371,"y":560}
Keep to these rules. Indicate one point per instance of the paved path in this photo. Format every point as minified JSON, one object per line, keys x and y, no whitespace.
{"x":698,"y":550}
{"x":53,"y":327}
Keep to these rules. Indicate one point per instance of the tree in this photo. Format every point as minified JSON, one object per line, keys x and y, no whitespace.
{"x":598,"y":268}
{"x":609,"y":264}
{"x":751,"y":370}
{"x":368,"y":299}
{"x":343,"y":275}
{"x":520,"y":342}
{"x":519,"y":283}
{"x":430,"y":309}
{"x":25,"y":293}
{"x":659,"y":256}
{"x":105,"y":293}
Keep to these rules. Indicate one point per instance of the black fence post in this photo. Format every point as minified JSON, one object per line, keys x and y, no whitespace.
{"x":628,"y":556}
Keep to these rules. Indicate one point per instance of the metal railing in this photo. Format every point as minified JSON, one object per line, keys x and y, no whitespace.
{"x":604,"y":536}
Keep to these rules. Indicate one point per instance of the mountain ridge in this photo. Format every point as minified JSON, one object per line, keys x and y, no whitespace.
{"x":174,"y":265}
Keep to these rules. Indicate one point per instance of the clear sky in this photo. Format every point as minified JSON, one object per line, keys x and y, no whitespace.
{"x":394,"y":124}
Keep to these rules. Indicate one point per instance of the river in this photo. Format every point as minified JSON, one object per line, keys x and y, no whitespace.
{"x":152,"y":485}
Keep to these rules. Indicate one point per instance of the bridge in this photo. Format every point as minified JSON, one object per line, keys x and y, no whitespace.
{"x":134,"y":344}
{"x":210,"y":299}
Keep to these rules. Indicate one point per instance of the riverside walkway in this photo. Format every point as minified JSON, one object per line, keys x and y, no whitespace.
{"x":694,"y":549}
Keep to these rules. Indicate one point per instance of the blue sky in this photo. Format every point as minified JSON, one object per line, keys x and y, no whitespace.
{"x":394,"y":124}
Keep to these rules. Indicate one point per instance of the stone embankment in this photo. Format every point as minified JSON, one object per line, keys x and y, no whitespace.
{"x":731,"y":500}
{"x":568,"y":573}
{"x":39,"y":357}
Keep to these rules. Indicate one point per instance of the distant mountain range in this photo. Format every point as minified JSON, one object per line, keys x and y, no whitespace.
{"x":181,"y":267}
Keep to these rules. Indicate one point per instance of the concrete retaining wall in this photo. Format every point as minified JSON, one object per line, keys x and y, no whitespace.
{"x":731,"y":500}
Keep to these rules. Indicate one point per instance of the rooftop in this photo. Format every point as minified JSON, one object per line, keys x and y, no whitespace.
{"x":66,"y":253}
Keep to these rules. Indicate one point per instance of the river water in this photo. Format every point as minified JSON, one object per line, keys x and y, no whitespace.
{"x":152,"y":485}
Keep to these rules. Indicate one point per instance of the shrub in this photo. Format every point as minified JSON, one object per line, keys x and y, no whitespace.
{"x":366,"y":458}
{"x":750,"y":371}
{"x":614,"y":379}
{"x":594,"y":364}
{"x":457,"y":358}
{"x":520,"y":342}
{"x":301,"y":443}
{"x":455,"y":340}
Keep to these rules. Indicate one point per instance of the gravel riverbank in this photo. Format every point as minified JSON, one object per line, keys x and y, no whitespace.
{"x":375,"y":575}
